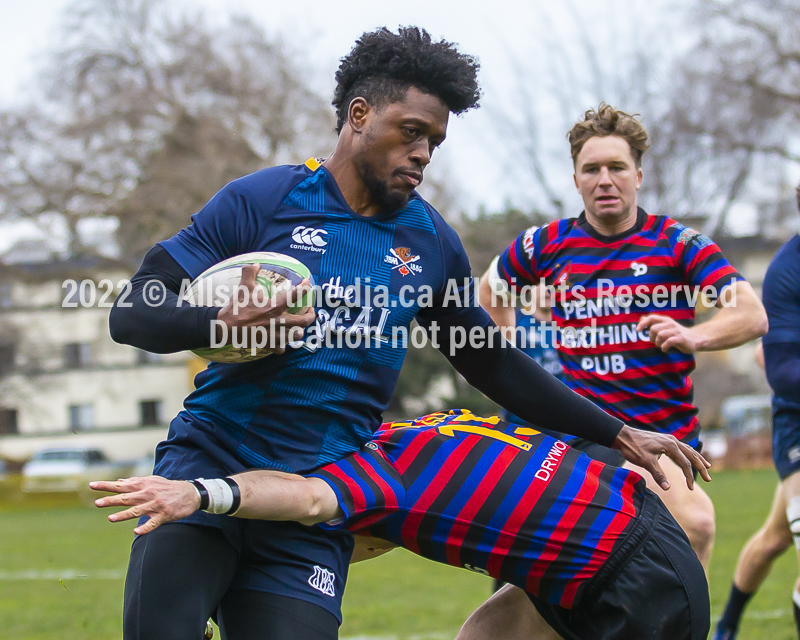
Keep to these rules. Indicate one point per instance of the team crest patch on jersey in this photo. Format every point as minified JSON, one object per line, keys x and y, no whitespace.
{"x":687,"y":234}
{"x":402,"y":259}
{"x":563,"y":273}
{"x":323,"y":580}
{"x":701,"y":241}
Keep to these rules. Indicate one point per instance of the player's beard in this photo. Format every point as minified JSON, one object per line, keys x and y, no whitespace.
{"x":388,"y":201}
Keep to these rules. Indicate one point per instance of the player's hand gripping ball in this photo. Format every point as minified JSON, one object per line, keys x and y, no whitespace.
{"x":216,"y":286}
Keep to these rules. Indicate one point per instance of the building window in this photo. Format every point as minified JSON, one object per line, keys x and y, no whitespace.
{"x":6,"y":295}
{"x":150,"y":412}
{"x":7,"y":354}
{"x":8,"y":421}
{"x":81,"y":416}
{"x":77,"y":355}
{"x":145,"y":357}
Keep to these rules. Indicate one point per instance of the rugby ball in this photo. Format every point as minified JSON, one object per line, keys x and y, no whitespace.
{"x":217,"y":285}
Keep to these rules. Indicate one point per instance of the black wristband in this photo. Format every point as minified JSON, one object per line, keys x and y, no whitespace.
{"x":237,"y":496}
{"x":204,"y":498}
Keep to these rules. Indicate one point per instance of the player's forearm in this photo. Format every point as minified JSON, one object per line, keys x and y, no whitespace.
{"x":149,"y":316}
{"x":501,"y":313}
{"x":264,"y":495}
{"x":272,"y":495}
{"x":733,"y":325}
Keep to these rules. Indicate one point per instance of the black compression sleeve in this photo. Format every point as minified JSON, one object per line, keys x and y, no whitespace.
{"x":164,"y":327}
{"x":517,"y":383}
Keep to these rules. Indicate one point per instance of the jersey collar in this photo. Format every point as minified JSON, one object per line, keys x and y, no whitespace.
{"x":641,"y":220}
{"x":313,"y":164}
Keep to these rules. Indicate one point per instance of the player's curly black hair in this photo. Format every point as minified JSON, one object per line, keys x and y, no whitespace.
{"x":383,"y":65}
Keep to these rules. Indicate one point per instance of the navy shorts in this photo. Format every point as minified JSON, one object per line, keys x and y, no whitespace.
{"x":652,"y":588}
{"x":281,"y":558}
{"x":786,"y":442}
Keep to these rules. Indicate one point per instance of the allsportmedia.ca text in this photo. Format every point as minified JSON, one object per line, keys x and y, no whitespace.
{"x":574,"y":301}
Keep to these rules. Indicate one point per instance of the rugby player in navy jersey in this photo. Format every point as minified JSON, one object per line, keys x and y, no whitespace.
{"x":597,"y":553}
{"x":383,"y":257}
{"x":624,"y":282}
{"x":781,"y":360}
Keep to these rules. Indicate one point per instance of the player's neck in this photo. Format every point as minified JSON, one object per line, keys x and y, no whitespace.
{"x":608,"y":226}
{"x":358,"y":197}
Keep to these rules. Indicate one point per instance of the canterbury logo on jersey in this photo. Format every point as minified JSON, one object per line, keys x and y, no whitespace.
{"x":323,"y":580}
{"x":309,"y":239}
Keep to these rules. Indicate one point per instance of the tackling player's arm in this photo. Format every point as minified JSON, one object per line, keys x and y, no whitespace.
{"x":264,"y":495}
{"x":741,"y":321}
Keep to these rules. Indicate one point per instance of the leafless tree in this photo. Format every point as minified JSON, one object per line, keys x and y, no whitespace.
{"x":736,"y":103}
{"x":722,"y":106}
{"x":144,"y":114}
{"x":574,"y":63}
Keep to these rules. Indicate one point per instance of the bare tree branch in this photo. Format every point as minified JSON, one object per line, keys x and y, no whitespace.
{"x":145,"y":115}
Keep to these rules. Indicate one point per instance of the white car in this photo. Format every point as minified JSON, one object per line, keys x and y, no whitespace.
{"x":65,"y":469}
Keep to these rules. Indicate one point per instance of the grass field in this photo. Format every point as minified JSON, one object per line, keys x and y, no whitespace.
{"x":62,"y":569}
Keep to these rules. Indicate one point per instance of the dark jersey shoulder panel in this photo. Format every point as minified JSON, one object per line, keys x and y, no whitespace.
{"x":239,"y":211}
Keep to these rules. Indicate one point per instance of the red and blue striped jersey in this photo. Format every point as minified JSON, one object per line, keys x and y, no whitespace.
{"x":603,"y":287}
{"x":489,"y":496}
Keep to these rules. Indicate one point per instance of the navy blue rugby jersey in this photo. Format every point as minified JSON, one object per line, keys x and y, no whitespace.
{"x":781,"y":295}
{"x":315,"y":404}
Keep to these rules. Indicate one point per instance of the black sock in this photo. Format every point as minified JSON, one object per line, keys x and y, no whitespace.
{"x":737,"y":600}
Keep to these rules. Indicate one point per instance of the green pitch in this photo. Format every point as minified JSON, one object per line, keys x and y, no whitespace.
{"x":62,"y":571}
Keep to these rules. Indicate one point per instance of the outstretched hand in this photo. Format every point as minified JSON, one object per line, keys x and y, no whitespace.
{"x":160,"y":499}
{"x":644,"y":448}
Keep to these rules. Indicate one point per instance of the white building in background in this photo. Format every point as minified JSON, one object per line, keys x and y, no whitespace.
{"x":64,"y":381}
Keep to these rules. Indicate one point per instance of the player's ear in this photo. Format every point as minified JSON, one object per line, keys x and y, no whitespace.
{"x":639,"y":175}
{"x":575,"y":180}
{"x":357,"y":113}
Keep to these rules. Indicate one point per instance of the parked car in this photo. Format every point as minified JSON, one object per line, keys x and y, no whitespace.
{"x":65,"y":469}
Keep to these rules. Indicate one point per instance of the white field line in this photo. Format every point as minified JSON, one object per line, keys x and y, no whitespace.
{"x":774,"y":614}
{"x":62,"y":574}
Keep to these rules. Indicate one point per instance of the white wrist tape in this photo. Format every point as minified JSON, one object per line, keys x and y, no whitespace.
{"x":220,"y":495}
